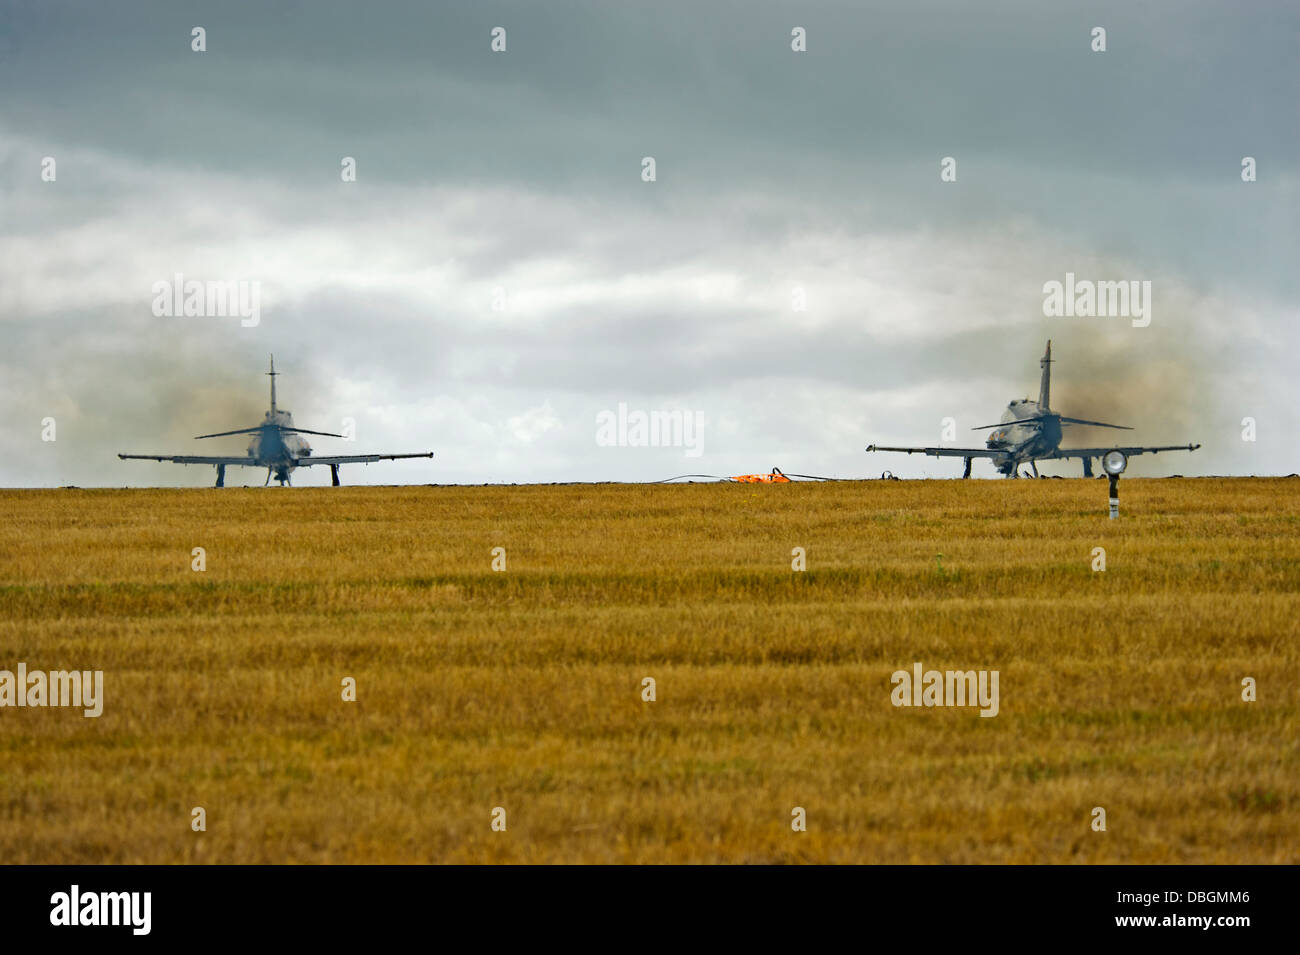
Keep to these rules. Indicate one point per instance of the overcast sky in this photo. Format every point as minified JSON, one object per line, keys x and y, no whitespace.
{"x":484,"y":174}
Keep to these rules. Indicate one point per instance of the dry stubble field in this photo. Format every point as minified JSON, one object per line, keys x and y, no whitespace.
{"x":521,"y":689}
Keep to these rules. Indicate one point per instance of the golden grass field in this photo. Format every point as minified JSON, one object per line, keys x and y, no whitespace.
{"x":522,"y":689}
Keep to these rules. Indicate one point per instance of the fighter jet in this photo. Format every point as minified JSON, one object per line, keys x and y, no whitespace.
{"x":1030,"y":431}
{"x":276,"y":446}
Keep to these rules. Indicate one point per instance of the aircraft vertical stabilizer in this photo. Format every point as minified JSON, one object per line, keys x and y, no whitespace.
{"x":273,"y":373}
{"x":1045,"y":387}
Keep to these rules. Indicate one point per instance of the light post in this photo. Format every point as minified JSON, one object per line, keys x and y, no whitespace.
{"x":1114,"y":463}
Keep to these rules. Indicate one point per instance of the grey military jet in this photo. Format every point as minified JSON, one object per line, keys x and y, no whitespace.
{"x":276,"y":446}
{"x":1030,"y":431}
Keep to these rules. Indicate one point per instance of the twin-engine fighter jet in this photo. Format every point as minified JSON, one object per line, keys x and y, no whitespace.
{"x":1030,"y":431}
{"x":277,"y":446}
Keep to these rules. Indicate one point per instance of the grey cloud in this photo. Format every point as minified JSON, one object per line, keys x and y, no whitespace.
{"x":522,"y":170}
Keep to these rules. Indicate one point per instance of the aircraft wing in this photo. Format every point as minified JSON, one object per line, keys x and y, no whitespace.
{"x":246,"y":461}
{"x":310,"y":459}
{"x":1128,"y":452}
{"x":946,"y":452}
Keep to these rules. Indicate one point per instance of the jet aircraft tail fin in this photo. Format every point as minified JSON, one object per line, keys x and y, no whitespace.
{"x":1045,"y":386}
{"x":273,"y":373}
